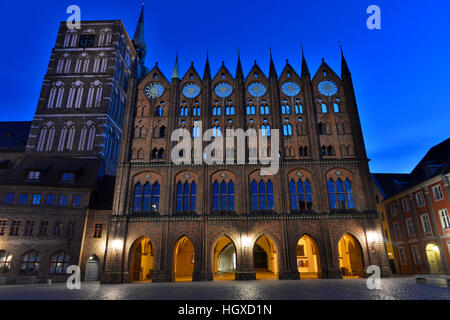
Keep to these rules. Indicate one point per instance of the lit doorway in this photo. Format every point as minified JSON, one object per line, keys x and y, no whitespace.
{"x":183,"y":266}
{"x":308,"y":261}
{"x":265,"y":259}
{"x":142,"y":260}
{"x":224,"y":259}
{"x":434,"y":259}
{"x":350,"y":257}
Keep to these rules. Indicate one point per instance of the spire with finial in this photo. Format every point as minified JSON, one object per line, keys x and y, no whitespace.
{"x":176,"y":69}
{"x":344,"y":67}
{"x":305,"y":69}
{"x":239,"y":72}
{"x":138,"y":39}
{"x":272,"y":70}
{"x":207,"y":73}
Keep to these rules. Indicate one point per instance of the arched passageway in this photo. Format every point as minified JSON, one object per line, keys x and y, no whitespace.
{"x":183,"y":265}
{"x":224,"y":259}
{"x":308,"y":260}
{"x":265,"y":262}
{"x":434,"y":259}
{"x":350,"y":257}
{"x":142,"y":260}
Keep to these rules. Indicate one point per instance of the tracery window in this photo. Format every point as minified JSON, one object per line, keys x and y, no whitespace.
{"x":31,"y":262}
{"x":340,"y":194}
{"x":262,"y":196}
{"x":186,"y":196}
{"x":301,"y":195}
{"x":59,"y":263}
{"x":223,"y":196}
{"x":146,"y":198}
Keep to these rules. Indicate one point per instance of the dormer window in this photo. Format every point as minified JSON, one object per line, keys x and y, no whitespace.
{"x":68,"y":177}
{"x":33,"y":175}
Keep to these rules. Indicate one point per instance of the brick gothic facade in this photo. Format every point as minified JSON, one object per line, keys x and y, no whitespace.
{"x":323,"y":143}
{"x":168,"y":219}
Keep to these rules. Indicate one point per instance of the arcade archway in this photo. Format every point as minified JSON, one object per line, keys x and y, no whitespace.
{"x":265,"y":259}
{"x":308,"y":260}
{"x":434,"y":259}
{"x":183,"y":266}
{"x":142,"y":260}
{"x":224,"y":259}
{"x":350,"y":257}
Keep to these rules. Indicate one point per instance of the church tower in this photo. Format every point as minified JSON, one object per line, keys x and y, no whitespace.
{"x":82,"y":102}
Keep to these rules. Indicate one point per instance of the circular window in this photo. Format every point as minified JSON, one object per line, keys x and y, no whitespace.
{"x":154,"y":90}
{"x":328,"y":88}
{"x":191,"y":90}
{"x":223,"y":90}
{"x":257,"y":89}
{"x":291,"y":89}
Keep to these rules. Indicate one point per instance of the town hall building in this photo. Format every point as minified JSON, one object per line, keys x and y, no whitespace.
{"x":95,"y":184}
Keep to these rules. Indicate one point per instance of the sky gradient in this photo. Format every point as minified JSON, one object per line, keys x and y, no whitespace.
{"x":400,"y":72}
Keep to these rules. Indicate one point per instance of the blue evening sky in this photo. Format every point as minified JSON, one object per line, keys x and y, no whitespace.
{"x":400,"y":73}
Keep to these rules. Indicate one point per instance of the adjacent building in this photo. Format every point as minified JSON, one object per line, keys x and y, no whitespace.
{"x":415,"y":214}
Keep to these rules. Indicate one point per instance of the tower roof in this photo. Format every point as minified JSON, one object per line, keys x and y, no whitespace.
{"x":138,"y":39}
{"x":344,"y":66}
{"x":207,"y":73}
{"x":272,"y":70}
{"x":305,"y":69}
{"x":176,"y":69}
{"x":239,"y":72}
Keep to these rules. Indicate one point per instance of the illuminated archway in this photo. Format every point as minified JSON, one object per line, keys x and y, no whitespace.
{"x":142,"y":260}
{"x":350,"y":257}
{"x":224,"y":259}
{"x":434,"y":259}
{"x":183,"y":266}
{"x":265,"y":258}
{"x":308,"y":260}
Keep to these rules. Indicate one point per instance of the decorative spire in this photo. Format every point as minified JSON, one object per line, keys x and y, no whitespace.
{"x":239,"y":72}
{"x":272,"y":70}
{"x":138,"y":39}
{"x":305,"y":69}
{"x":207,"y":73}
{"x":176,"y":69}
{"x":344,"y":66}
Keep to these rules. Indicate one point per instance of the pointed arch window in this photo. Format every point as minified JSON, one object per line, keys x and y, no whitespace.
{"x":46,"y":137}
{"x":196,"y":131}
{"x":229,"y":111}
{"x":196,"y":112}
{"x":262,"y":195}
{"x":56,"y":95}
{"x":223,"y":196}
{"x":251,"y":110}
{"x":264,"y":110}
{"x":217,"y":111}
{"x":186,"y":196}
{"x":287,"y":129}
{"x":265,"y":130}
{"x":75,"y":95}
{"x":324,"y":108}
{"x":217,"y":132}
{"x":301,"y":195}
{"x":336,"y":108}
{"x":298,"y":108}
{"x":159,"y":111}
{"x":285,"y":109}
{"x":146,"y":198}
{"x":340,"y":197}
{"x":94,"y":97}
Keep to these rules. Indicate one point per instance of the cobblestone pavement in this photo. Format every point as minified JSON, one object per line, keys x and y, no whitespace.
{"x":348,"y":289}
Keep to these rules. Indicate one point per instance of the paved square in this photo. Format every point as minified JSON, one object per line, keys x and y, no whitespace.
{"x":348,"y":289}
